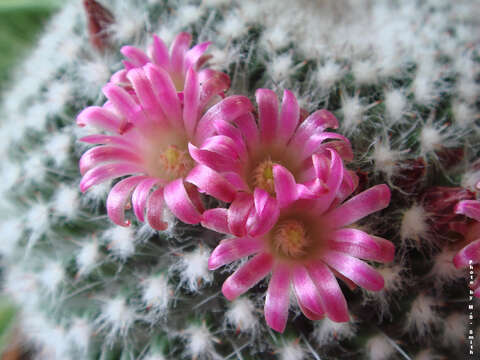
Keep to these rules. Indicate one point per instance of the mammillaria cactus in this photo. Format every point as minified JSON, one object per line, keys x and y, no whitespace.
{"x":109,"y":250}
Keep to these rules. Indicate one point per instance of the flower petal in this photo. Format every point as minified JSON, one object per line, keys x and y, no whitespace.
{"x":331,"y":295}
{"x":267,"y":113}
{"x":248,"y":127}
{"x":191,"y":101}
{"x":106,"y":172}
{"x":285,"y":186}
{"x":124,"y":103}
{"x":333,"y":182}
{"x":214,"y":160}
{"x":238,"y":213}
{"x":316,"y":122}
{"x":278,"y":298}
{"x":224,"y":128}
{"x":103,"y":154}
{"x":177,"y":50}
{"x":178,"y":201}
{"x":289,"y":116}
{"x":216,"y":220}
{"x":369,"y":201}
{"x":470,"y":208}
{"x":108,"y":140}
{"x":247,"y":276}
{"x":216,"y":84}
{"x":212,"y":183}
{"x":266,"y":213}
{"x":314,"y":142}
{"x":356,"y":270}
{"x":194,"y":54}
{"x":233,"y":249}
{"x":118,"y":198}
{"x":469,"y":252}
{"x":136,"y":56}
{"x":140,"y":196}
{"x":159,"y":53}
{"x":101,"y":118}
{"x":307,"y":294}
{"x":155,"y":210}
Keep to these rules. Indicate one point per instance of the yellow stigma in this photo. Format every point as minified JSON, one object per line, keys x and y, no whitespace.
{"x":175,"y":163}
{"x":263,"y":177}
{"x":290,"y":238}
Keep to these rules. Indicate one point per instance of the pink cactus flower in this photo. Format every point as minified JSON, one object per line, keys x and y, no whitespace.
{"x":150,"y":125}
{"x":305,"y":243}
{"x":176,"y":63}
{"x":470,"y":253}
{"x":280,"y":149}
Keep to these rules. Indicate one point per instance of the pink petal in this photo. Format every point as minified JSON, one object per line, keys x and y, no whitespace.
{"x":155,"y":210}
{"x":247,"y":125}
{"x":108,"y":140}
{"x":356,"y":270}
{"x":348,"y":186}
{"x":316,"y":122}
{"x":333,"y":183}
{"x":236,"y":180}
{"x":195,"y":53}
{"x":123,"y":102}
{"x":266,"y":213}
{"x":100,"y":118}
{"x":102,"y":154}
{"x":136,"y":56}
{"x":160,"y":53}
{"x":278,"y":298}
{"x":107,"y":172}
{"x":359,"y":244}
{"x":314,"y":142}
{"x":289,"y":116}
{"x":214,"y":160}
{"x":307,"y":294}
{"x":224,"y":128}
{"x":177,"y":199}
{"x":223,"y":145}
{"x":285,"y":186}
{"x":469,"y":252}
{"x":178,"y":49}
{"x":470,"y":208}
{"x":165,"y":91}
{"x":268,"y":113}
{"x":213,"y":86}
{"x":344,"y":149}
{"x":118,"y":198}
{"x":233,"y":249}
{"x":140,"y":196}
{"x":247,"y":276}
{"x":216,"y":220}
{"x":228,"y":109}
{"x":212,"y":183}
{"x":369,"y":201}
{"x":331,"y":296}
{"x":238,"y":214}
{"x":191,"y":101}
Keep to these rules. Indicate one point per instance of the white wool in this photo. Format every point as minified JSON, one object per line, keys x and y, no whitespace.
{"x":52,"y":275}
{"x":116,"y":317}
{"x":291,"y":350}
{"x":250,"y":10}
{"x":379,"y":348}
{"x":280,"y":67}
{"x":156,"y":293}
{"x":34,"y":169}
{"x":468,"y":90}
{"x":454,"y":329}
{"x":93,"y":74}
{"x":37,"y":220}
{"x":22,"y":286}
{"x":121,"y":241}
{"x":275,"y":38}
{"x":395,"y":104}
{"x":66,"y":202}
{"x":385,"y":159}
{"x":365,"y":72}
{"x":427,"y":354}
{"x":392,"y":277}
{"x":53,"y":342}
{"x":129,"y":22}
{"x":87,"y":257}
{"x":464,"y":115}
{"x":188,"y":14}
{"x":58,"y":148}
{"x":199,"y":342}
{"x":422,"y":317}
{"x":242,"y":315}
{"x":214,"y":3}
{"x":99,"y":191}
{"x":470,"y":180}
{"x":166,"y":33}
{"x":352,"y":112}
{"x":232,"y":27}
{"x":11,"y":232}
{"x":58,"y":94}
{"x":431,"y":138}
{"x":328,"y":74}
{"x":79,"y":333}
{"x":36,"y":118}
{"x":414,"y":230}
{"x":443,"y":270}
{"x":423,"y":89}
{"x":328,"y":331}
{"x":10,"y":175}
{"x":193,"y":268}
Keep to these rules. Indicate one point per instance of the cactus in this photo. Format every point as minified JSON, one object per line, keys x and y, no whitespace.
{"x":402,"y":80}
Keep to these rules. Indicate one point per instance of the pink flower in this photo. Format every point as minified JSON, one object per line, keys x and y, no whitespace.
{"x":470,"y":254}
{"x":281,"y":149}
{"x":176,"y":63}
{"x":305,"y":243}
{"x":150,"y":126}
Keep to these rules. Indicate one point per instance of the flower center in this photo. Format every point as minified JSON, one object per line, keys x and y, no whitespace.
{"x":174,"y":162}
{"x":263,"y":176}
{"x":290,"y":238}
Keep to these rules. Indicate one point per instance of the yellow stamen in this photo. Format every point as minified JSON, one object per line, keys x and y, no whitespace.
{"x":175,"y":163}
{"x":263,"y":176}
{"x":290,"y":238}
